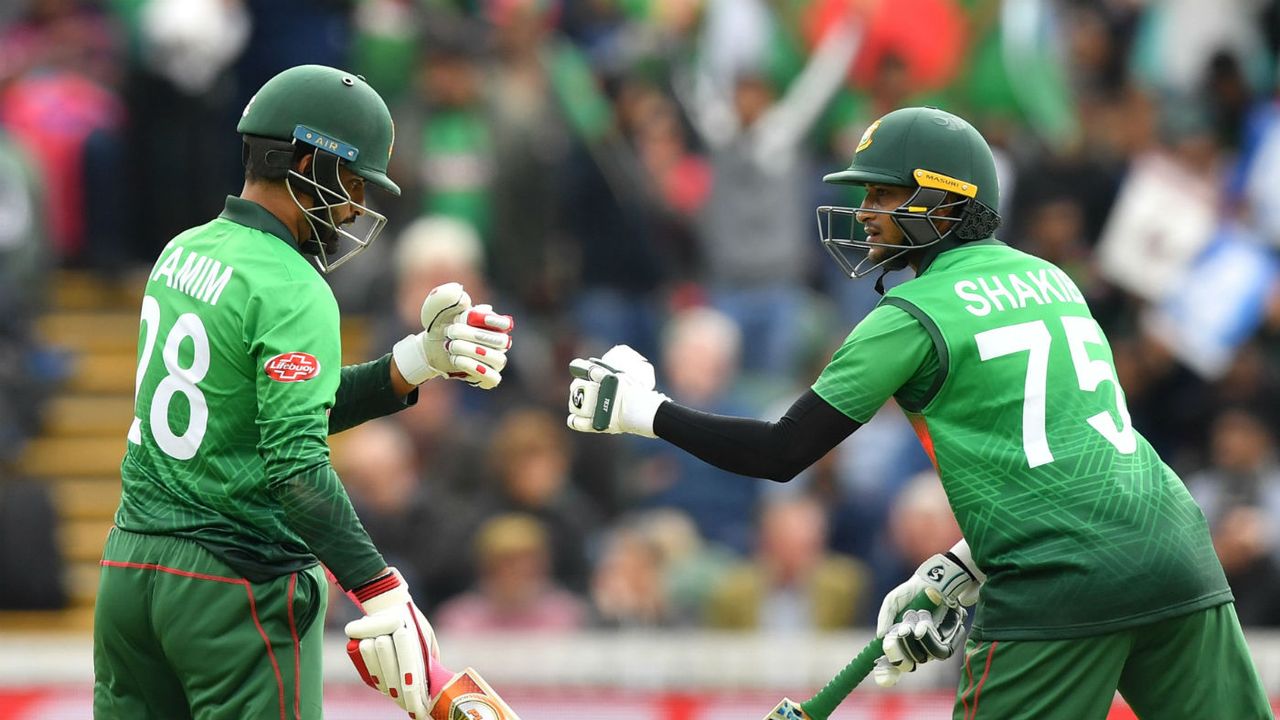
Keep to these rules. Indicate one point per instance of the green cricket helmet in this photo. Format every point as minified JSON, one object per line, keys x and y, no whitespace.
{"x":938,"y":154}
{"x":342,"y":122}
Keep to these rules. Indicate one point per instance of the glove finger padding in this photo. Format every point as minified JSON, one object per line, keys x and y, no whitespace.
{"x":592,"y":405}
{"x":494,"y":359}
{"x":475,"y":373}
{"x":384,"y":648}
{"x":939,"y":642}
{"x":924,"y":635}
{"x":479,"y":336}
{"x":483,"y":316}
{"x":591,"y":369}
{"x":366,"y":663}
{"x":413,"y":672}
{"x":582,"y":404}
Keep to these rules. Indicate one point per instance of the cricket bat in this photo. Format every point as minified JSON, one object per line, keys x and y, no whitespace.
{"x":464,"y":696}
{"x":822,"y":704}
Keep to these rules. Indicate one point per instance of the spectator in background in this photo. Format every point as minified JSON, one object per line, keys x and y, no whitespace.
{"x":529,"y":458}
{"x":754,"y":231}
{"x":920,"y":525}
{"x":26,"y":370}
{"x":793,"y":583}
{"x":515,"y":590}
{"x":58,"y":99}
{"x":533,"y":137}
{"x":1244,"y":538}
{"x":31,"y":565}
{"x":864,"y":476}
{"x":396,"y":503}
{"x":446,"y":132}
{"x":626,"y":236}
{"x":702,"y":351}
{"x":692,"y":567}
{"x":431,"y":250}
{"x":628,"y":588}
{"x":1243,"y":469}
{"x":180,"y":92}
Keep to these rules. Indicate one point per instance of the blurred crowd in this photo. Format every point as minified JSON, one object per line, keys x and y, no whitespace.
{"x":646,"y":172}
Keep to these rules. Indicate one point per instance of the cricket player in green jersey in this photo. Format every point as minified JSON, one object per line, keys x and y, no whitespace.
{"x":1090,"y":566}
{"x":211,"y":598}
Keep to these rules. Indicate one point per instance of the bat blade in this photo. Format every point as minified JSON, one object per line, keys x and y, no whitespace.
{"x":466,"y":696}
{"x":788,"y":709}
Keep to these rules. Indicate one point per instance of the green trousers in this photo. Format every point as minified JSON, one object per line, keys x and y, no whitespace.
{"x":1193,"y":667}
{"x":178,"y":634}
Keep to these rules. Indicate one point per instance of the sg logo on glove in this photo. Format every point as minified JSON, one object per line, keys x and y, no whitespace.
{"x":579,"y":397}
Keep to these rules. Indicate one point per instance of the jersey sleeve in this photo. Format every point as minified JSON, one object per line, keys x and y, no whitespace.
{"x":365,"y":393}
{"x":295,"y":342}
{"x":889,"y":353}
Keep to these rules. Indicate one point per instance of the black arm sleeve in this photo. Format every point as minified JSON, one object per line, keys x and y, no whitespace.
{"x":773,"y":450}
{"x":365,"y":393}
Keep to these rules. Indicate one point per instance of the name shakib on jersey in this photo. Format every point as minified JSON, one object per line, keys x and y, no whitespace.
{"x":1017,"y":290}
{"x":201,"y":277}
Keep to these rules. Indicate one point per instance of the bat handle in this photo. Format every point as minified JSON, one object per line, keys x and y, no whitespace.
{"x":822,"y":704}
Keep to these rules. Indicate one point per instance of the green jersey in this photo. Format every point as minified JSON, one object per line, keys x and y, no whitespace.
{"x":1010,"y":385}
{"x":239,"y":364}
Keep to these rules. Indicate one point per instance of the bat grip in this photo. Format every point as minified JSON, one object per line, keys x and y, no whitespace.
{"x":822,"y":704}
{"x":825,"y":701}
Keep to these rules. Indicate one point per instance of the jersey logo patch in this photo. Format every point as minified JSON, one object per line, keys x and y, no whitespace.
{"x":292,"y":367}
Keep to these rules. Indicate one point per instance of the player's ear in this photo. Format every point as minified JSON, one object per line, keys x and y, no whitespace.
{"x":302,"y":162}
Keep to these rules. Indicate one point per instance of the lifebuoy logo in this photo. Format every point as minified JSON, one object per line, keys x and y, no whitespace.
{"x":292,"y":367}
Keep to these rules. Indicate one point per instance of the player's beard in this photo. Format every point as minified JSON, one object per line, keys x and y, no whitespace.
{"x":323,"y":235}
{"x":894,"y":257}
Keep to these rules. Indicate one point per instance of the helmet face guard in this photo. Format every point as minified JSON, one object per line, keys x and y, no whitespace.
{"x":918,"y":219}
{"x":332,"y":244}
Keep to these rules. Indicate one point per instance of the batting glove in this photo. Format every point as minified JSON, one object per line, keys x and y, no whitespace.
{"x":392,"y":644}
{"x":923,"y":635}
{"x":950,"y":579}
{"x":458,"y":341}
{"x":614,"y":393}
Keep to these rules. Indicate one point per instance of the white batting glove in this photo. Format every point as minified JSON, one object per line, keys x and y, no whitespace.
{"x":921,"y":636}
{"x":391,"y":644}
{"x":950,"y":579}
{"x":614,"y":393}
{"x":458,"y":341}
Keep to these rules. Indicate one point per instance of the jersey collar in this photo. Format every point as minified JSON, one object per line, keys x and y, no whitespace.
{"x":251,"y":214}
{"x":930,"y":260}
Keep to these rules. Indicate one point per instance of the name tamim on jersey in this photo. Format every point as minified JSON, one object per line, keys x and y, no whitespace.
{"x":201,"y":277}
